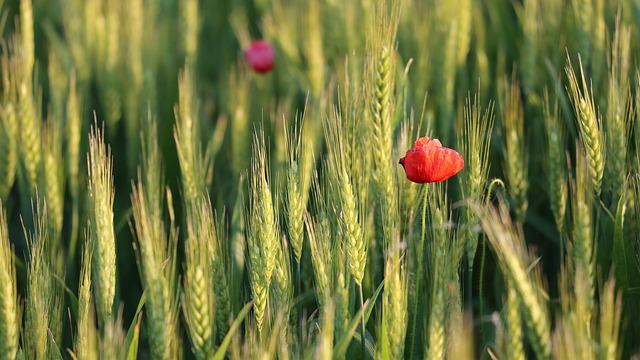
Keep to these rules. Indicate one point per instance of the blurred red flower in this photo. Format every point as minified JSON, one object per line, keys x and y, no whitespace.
{"x":430,"y":162}
{"x":260,"y":56}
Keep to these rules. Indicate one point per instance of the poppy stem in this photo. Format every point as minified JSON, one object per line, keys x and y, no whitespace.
{"x":362,"y":329}
{"x":424,"y":220}
{"x":418,"y":275}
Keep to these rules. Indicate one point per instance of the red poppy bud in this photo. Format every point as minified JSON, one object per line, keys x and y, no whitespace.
{"x":260,"y":56}
{"x":429,"y":161}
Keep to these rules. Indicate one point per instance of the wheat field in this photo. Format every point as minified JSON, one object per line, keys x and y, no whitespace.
{"x":217,"y":179}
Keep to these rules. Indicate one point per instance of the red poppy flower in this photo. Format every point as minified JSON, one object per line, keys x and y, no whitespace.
{"x":260,"y":56}
{"x":429,"y":161}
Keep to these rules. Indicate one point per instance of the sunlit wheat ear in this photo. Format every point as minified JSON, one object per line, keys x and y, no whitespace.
{"x":86,"y":338}
{"x":324,"y":346}
{"x":532,"y":21}
{"x":610,"y":320}
{"x":28,"y":110}
{"x":319,"y":244}
{"x":107,"y":46}
{"x":199,"y":299}
{"x":350,"y":221}
{"x":156,"y":248}
{"x":257,"y":277}
{"x":73,"y":134}
{"x":41,"y":302}
{"x":282,"y":292}
{"x":394,"y":306}
{"x":112,"y":339}
{"x":313,"y":48}
{"x":506,"y":240}
{"x":342,"y":294}
{"x":186,"y":133}
{"x":206,"y":283}
{"x":295,"y":200}
{"x":52,"y":179}
{"x":515,"y":148}
{"x":447,"y":33}
{"x":26,"y":34}
{"x":589,"y":124}
{"x":9,"y":130}
{"x":262,"y":231}
{"x":513,"y":320}
{"x":461,"y":344}
{"x":219,"y":253}
{"x":473,"y":141}
{"x":263,"y":217}
{"x":408,"y":191}
{"x":190,"y":24}
{"x":101,"y":197}
{"x":556,"y":164}
{"x":380,"y":79}
{"x":575,"y":331}
{"x":9,"y":308}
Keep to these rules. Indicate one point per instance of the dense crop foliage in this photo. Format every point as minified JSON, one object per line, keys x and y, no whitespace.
{"x":210,"y":178}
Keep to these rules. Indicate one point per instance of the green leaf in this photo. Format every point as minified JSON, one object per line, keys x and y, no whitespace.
{"x":72,"y":355}
{"x":354,"y":349}
{"x":54,"y":350}
{"x":368,"y":312}
{"x":567,"y":109}
{"x":133,"y":334}
{"x":72,"y":297}
{"x":132,"y":353}
{"x":340,"y":350}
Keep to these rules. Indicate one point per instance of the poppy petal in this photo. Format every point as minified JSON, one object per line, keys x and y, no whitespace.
{"x":426,"y":141}
{"x":432,"y":164}
{"x":260,"y":56}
